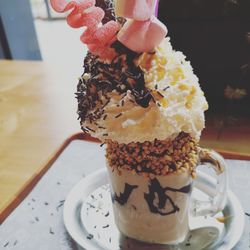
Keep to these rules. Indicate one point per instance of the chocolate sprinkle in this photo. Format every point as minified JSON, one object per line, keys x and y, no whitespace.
{"x":90,"y":129}
{"x":6,"y":244}
{"x":51,"y":231}
{"x":90,"y":237}
{"x":92,"y":206}
{"x":247,"y":214}
{"x":106,"y":226}
{"x":134,"y":207}
{"x":117,"y":116}
{"x":160,"y":94}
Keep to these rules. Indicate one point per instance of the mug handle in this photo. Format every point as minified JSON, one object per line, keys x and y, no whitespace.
{"x":215,"y":188}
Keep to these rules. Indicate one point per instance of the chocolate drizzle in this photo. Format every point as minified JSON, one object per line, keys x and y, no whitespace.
{"x":156,"y":190}
{"x":122,"y":199}
{"x":101,"y":78}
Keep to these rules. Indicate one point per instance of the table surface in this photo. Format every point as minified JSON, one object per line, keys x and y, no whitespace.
{"x":37,"y":223}
{"x":37,"y":114}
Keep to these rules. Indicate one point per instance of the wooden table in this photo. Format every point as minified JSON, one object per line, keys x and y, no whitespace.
{"x":38,"y":113}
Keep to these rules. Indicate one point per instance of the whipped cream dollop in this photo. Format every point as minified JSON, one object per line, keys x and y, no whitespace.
{"x":177,"y":103}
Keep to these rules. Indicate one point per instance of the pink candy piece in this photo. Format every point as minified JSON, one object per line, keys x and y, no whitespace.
{"x":142,"y":36}
{"x":84,"y":14}
{"x":64,"y":5}
{"x":139,"y":10}
{"x":106,"y":33}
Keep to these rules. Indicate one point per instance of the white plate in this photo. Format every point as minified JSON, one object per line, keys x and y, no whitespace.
{"x":89,"y":220}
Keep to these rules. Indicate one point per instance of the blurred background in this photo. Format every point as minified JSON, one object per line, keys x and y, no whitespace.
{"x":31,"y":30}
{"x":213,"y":34}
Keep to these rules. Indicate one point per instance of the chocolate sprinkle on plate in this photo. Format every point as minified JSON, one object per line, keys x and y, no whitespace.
{"x":60,"y":205}
{"x":6,"y":244}
{"x":101,"y":127}
{"x":92,"y":206}
{"x":90,"y":236}
{"x":51,"y":231}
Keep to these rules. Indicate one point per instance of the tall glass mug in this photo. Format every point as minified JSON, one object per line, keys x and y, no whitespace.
{"x":154,"y":207}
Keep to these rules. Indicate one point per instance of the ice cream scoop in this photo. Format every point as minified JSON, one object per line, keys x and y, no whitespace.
{"x":175,"y":101}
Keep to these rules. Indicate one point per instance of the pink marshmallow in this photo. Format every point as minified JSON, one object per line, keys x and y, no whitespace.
{"x":139,"y":10}
{"x":142,"y":36}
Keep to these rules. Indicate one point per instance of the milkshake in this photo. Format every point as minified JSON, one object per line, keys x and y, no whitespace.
{"x":141,"y":98}
{"x":151,"y":131}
